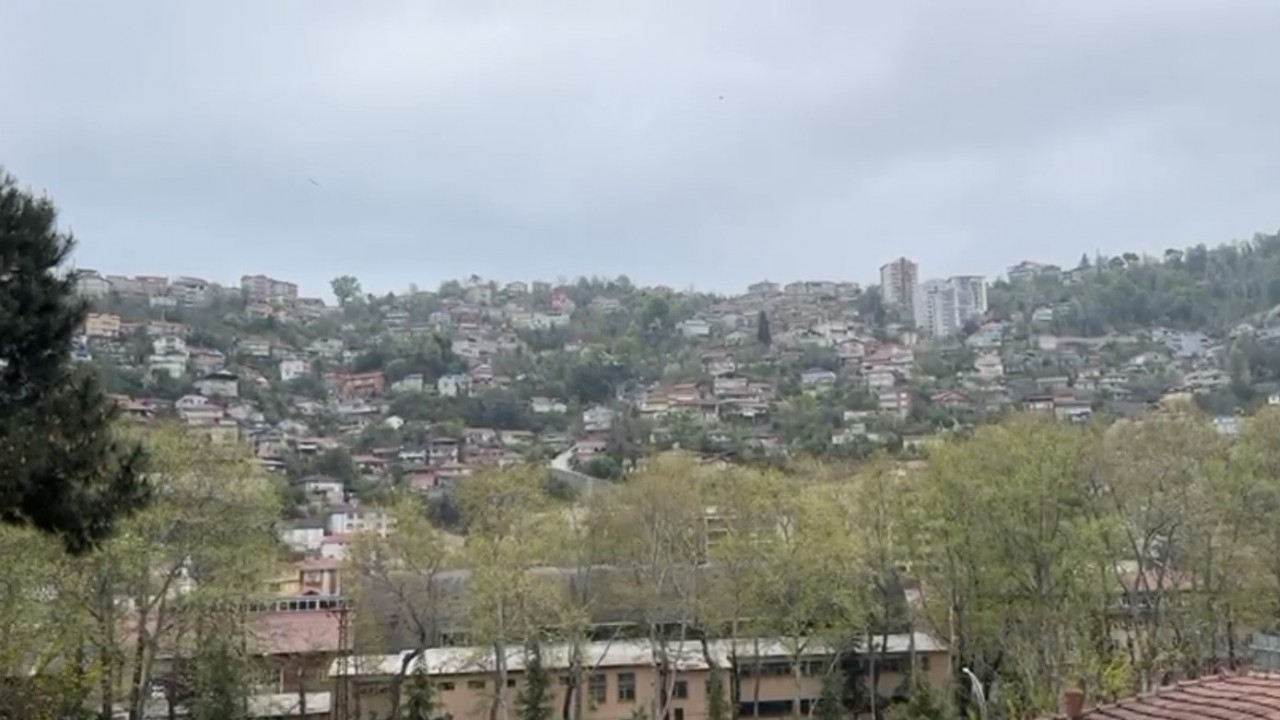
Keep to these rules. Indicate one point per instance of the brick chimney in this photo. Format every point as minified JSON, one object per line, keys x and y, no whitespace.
{"x":1073,"y":703}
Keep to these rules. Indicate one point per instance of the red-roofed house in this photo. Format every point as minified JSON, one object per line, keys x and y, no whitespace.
{"x":1252,"y":696}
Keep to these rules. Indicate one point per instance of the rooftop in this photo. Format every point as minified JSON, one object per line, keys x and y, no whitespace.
{"x":1252,"y":696}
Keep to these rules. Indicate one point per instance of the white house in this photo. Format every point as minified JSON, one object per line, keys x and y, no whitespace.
{"x":293,"y":368}
{"x":323,"y":488}
{"x":255,"y":347}
{"x":346,"y":519}
{"x":172,"y":365}
{"x":694,"y":328}
{"x":219,"y":384}
{"x":170,"y":345}
{"x":597,"y":419}
{"x":989,"y":366}
{"x":817,"y":378}
{"x":543,"y":405}
{"x":408,"y":384}
{"x":304,"y":537}
{"x":453,"y":385}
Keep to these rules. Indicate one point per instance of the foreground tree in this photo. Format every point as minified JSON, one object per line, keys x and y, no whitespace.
{"x":402,"y":571}
{"x":65,"y":470}
{"x":186,"y":565}
{"x":1010,"y":551}
{"x":511,"y":533}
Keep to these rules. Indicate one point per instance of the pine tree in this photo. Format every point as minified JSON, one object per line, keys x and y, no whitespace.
{"x":535,"y":697}
{"x":65,"y":471}
{"x":763,"y":333}
{"x":421,"y":701}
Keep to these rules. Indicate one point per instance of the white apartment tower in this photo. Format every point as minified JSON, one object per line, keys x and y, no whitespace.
{"x":943,"y":306}
{"x":898,"y":284}
{"x":937,"y":310}
{"x":971,"y":295}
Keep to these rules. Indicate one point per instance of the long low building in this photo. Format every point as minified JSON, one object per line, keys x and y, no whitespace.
{"x":621,"y":676}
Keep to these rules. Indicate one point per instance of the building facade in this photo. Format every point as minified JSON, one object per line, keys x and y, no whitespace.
{"x":938,"y":309}
{"x":971,"y":295}
{"x":260,"y":288}
{"x":623,"y":677}
{"x":899,"y":280}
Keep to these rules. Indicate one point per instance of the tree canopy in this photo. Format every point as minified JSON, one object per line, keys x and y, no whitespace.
{"x":66,"y":472}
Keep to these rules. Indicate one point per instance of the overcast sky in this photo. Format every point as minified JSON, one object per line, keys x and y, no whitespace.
{"x":681,"y":142}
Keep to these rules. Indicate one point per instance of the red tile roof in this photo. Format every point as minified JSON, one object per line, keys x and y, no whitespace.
{"x":1253,"y":696}
{"x":280,"y":633}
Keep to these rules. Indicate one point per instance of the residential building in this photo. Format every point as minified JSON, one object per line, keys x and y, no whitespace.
{"x":190,"y":291}
{"x":817,"y":378}
{"x":898,"y":284}
{"x":304,"y":536}
{"x":293,"y":368}
{"x":1028,"y":270}
{"x":348,"y":519}
{"x":989,"y":366}
{"x":260,"y":288}
{"x":623,"y":674}
{"x":694,"y":328}
{"x":254,"y":346}
{"x":938,"y":308}
{"x":763,"y":288}
{"x":360,"y":385}
{"x":971,"y":295}
{"x":91,"y":285}
{"x":170,"y":345}
{"x":543,"y":405}
{"x":219,"y":384}
{"x":597,"y":419}
{"x":102,"y":325}
{"x":453,"y":385}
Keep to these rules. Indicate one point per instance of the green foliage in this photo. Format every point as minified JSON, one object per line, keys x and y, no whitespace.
{"x":66,"y":471}
{"x":831,"y":702}
{"x":763,"y":334}
{"x":221,"y":678}
{"x":923,"y":702}
{"x":420,"y":696}
{"x":1200,"y":288}
{"x":345,"y":288}
{"x":535,"y":699}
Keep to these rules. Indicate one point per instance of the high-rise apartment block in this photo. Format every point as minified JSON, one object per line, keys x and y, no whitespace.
{"x":898,"y":284}
{"x":943,"y":306}
{"x":971,"y":295}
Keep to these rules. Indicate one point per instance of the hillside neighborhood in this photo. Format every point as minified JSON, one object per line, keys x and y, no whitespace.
{"x":354,"y":403}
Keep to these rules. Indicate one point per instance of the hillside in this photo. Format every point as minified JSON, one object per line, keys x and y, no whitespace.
{"x":1199,"y":288}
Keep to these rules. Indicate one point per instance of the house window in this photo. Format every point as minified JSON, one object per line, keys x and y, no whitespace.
{"x":680,"y":690}
{"x":598,"y":688}
{"x":446,"y":686}
{"x":677,"y":714}
{"x":626,"y":687}
{"x":511,"y":682}
{"x":476,"y":684}
{"x":924,"y":663}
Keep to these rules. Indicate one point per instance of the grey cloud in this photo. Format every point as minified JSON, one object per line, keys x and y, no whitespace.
{"x":562,"y":138}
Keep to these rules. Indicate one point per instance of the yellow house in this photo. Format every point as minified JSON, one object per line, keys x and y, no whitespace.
{"x":621,"y":677}
{"x":102,"y":325}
